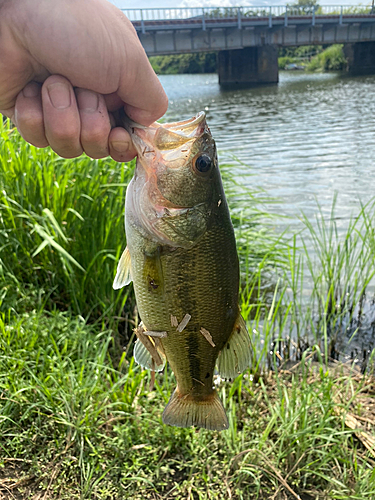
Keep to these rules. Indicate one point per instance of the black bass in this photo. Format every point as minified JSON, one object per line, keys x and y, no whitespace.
{"x":181,"y":255}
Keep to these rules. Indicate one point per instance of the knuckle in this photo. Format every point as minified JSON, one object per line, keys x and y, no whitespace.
{"x":38,"y":142}
{"x":64,"y":135}
{"x":95,"y":141}
{"x":65,"y":142}
{"x":97,"y":135}
{"x":27,"y":121}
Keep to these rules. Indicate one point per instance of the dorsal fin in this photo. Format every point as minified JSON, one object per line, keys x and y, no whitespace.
{"x":123,"y":275}
{"x":235,"y":356}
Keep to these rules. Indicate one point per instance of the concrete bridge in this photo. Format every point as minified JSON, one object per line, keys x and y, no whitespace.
{"x":247,"y":38}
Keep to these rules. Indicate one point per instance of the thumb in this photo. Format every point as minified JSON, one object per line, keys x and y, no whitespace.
{"x":139,"y":88}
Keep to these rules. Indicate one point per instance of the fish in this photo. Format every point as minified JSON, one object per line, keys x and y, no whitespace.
{"x":181,"y":256}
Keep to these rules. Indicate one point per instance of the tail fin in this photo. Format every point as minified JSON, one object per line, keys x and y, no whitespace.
{"x":185,"y":410}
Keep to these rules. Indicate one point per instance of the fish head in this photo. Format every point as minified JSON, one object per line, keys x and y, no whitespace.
{"x":178,"y":179}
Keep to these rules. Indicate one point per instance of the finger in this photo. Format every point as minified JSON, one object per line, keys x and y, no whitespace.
{"x":120,"y":145}
{"x":145,"y":99}
{"x":61,"y":117}
{"x":95,"y":123}
{"x":28,"y":115}
{"x":9,"y":113}
{"x":139,"y":88}
{"x":113,"y":102}
{"x":50,"y":48}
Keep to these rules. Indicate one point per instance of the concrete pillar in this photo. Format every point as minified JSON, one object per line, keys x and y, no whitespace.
{"x":361,"y":58}
{"x":248,"y":66}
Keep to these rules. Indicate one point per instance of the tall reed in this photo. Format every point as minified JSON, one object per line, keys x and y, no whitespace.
{"x":61,"y":226}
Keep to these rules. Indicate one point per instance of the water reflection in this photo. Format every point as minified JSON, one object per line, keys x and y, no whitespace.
{"x":309,"y":136}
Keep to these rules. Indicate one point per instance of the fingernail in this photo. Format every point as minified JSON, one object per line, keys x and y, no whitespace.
{"x":30,"y":91}
{"x":59,"y":95}
{"x":120,"y":147}
{"x":87,"y":101}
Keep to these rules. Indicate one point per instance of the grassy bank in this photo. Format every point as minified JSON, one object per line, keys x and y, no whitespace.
{"x":62,"y":228}
{"x":331,"y":59}
{"x":312,"y":57}
{"x":297,"y":55}
{"x":202,"y":62}
{"x":75,"y":424}
{"x":77,"y":418}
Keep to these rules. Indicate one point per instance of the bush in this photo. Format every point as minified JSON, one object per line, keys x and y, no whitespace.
{"x":283,"y":61}
{"x":204,"y":62}
{"x":331,"y":59}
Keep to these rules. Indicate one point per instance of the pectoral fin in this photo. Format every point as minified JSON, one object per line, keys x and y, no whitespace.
{"x":123,"y":275}
{"x":235,"y":356}
{"x":182,"y":227}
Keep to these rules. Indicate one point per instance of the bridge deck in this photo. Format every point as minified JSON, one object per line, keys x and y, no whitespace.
{"x":233,"y":22}
{"x":175,"y":31}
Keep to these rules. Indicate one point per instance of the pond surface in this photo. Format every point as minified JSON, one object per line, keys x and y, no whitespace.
{"x":305,"y":139}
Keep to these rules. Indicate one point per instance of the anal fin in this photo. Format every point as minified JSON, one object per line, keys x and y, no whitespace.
{"x":143,"y":357}
{"x":123,"y":275}
{"x":148,"y":351}
{"x":235,"y":356}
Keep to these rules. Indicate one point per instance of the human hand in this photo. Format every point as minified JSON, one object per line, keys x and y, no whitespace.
{"x":65,"y":67}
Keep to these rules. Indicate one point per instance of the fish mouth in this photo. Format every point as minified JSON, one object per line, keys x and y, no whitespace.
{"x":184,"y":126}
{"x":162,"y":143}
{"x":189,"y":126}
{"x":165,"y":135}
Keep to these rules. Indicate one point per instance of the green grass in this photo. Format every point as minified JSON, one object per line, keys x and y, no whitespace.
{"x":285,"y":60}
{"x":331,"y":59}
{"x":77,"y":418}
{"x":202,"y":62}
{"x":61,"y":227}
{"x":71,"y":414}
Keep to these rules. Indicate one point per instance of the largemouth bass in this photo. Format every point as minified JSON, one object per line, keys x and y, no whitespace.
{"x":181,"y":255}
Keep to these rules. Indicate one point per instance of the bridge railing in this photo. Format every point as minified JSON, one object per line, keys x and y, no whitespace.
{"x":162,"y":14}
{"x":159,"y":14}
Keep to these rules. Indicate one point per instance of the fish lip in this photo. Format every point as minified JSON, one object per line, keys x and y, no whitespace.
{"x":130,"y":124}
{"x":189,"y":123}
{"x":145,"y":140}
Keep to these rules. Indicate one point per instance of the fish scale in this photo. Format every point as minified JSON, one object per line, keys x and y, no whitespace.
{"x":182,"y":259}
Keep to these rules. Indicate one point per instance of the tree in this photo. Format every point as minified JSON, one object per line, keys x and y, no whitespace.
{"x":304,"y":6}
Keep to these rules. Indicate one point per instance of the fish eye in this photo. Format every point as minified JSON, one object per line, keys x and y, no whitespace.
{"x":203,"y":163}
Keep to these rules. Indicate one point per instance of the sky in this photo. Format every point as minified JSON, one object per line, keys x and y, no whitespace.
{"x":149,"y":4}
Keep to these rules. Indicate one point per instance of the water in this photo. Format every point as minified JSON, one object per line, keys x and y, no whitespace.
{"x":306,"y":139}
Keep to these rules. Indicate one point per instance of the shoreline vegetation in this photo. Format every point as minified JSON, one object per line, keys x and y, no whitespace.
{"x":312,"y":58}
{"x":77,"y":417}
